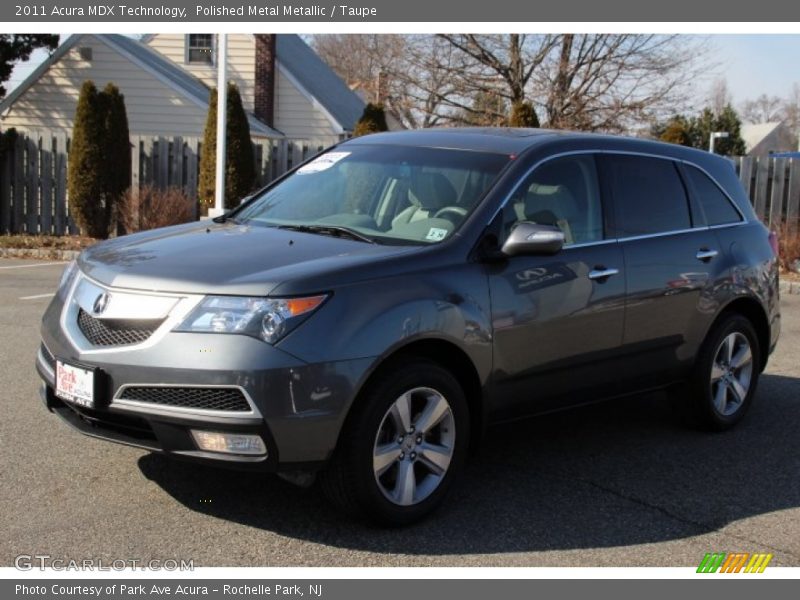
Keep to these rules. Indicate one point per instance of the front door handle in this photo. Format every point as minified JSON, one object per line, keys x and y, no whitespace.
{"x":706,"y":254}
{"x":601,"y":273}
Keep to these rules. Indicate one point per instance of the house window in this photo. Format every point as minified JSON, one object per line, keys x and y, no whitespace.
{"x":85,"y":53}
{"x":200,"y":48}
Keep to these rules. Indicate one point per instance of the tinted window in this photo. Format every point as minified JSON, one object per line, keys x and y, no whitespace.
{"x":716,"y":205}
{"x":391,"y":194}
{"x":562,"y":192}
{"x":648,"y":195}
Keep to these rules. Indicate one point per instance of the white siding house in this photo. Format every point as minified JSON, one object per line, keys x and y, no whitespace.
{"x":166,"y":83}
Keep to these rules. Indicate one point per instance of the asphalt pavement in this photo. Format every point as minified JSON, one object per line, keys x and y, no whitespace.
{"x":618,"y":484}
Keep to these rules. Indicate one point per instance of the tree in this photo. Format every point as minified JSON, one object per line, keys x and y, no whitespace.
{"x":239,"y":160}
{"x":719,"y":96}
{"x":523,"y":115}
{"x":373,"y":120}
{"x":118,"y":143}
{"x":86,"y":175}
{"x":676,"y":131}
{"x":696,"y":131}
{"x":486,"y":110}
{"x":18,"y":47}
{"x":501,"y":65}
{"x":613,"y":82}
{"x":727,"y":121}
{"x":791,"y":111}
{"x":100,"y":158}
{"x":764,"y":109}
{"x":408,"y":74}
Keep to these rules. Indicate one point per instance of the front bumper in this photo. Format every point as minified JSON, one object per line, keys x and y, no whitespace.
{"x":297,"y":408}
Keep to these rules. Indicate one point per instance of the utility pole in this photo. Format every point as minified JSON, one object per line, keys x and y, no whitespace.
{"x":222,"y":124}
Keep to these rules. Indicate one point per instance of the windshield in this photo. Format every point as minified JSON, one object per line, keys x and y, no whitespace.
{"x":386,"y":194}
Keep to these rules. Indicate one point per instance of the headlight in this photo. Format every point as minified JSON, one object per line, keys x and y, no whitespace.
{"x":67,"y":277}
{"x":268,"y":319}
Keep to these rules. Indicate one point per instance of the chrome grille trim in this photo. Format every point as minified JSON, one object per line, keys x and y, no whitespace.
{"x":121,"y":402}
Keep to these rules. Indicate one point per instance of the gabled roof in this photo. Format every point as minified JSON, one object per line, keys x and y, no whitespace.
{"x":160,"y":67}
{"x":319,"y":80}
{"x":754,"y":134}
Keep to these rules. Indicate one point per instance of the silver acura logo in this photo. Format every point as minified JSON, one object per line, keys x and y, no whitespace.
{"x":100,"y":303}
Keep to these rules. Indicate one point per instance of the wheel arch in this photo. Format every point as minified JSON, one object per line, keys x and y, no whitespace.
{"x":447,"y":355}
{"x":751,"y":309}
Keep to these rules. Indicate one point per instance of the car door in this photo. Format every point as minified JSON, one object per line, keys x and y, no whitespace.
{"x":557,"y":320}
{"x":671,"y":259}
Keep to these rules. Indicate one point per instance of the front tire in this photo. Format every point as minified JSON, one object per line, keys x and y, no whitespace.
{"x":726,"y":374}
{"x":403,"y":445}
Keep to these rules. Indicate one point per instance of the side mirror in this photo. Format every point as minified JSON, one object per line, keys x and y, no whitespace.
{"x":531,"y":238}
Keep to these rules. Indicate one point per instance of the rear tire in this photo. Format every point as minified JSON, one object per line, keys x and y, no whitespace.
{"x":402,"y":446}
{"x":726,"y":375}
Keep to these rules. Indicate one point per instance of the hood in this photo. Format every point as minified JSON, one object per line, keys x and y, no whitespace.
{"x":211,"y":258}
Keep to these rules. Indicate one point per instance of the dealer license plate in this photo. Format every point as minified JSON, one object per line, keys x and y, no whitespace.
{"x":75,"y":384}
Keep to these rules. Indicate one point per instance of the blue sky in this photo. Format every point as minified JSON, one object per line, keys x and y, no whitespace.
{"x":751,"y":64}
{"x":756,"y":64}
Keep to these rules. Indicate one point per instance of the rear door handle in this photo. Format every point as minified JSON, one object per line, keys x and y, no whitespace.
{"x":602,"y":273}
{"x":706,"y":254}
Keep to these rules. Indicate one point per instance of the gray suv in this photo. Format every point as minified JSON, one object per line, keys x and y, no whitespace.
{"x":368,"y":315}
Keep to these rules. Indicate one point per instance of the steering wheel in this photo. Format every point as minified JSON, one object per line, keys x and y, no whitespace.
{"x":457,"y":211}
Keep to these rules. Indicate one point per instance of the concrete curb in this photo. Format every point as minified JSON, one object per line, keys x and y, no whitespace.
{"x":40,"y":253}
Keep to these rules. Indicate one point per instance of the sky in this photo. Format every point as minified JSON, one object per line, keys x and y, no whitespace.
{"x":751,"y":64}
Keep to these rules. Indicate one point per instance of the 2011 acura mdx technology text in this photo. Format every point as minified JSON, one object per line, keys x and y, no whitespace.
{"x":369,"y":314}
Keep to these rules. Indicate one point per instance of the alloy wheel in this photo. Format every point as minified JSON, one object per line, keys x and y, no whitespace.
{"x":414,"y":446}
{"x":731,"y":373}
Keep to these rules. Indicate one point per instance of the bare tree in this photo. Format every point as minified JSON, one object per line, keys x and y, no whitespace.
{"x":764,"y":109}
{"x":408,"y":74}
{"x":719,"y":96}
{"x":615,"y":83}
{"x":578,"y":81}
{"x":583,"y":81}
{"x":791,"y":111}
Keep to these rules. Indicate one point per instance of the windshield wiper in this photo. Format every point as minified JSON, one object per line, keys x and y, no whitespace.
{"x":333,"y":230}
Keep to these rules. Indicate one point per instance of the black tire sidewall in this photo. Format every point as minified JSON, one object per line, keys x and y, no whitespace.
{"x":376,"y":402}
{"x":702,"y":381}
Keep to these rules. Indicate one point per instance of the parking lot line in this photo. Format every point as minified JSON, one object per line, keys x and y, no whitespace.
{"x":50,"y":264}
{"x":36,"y":296}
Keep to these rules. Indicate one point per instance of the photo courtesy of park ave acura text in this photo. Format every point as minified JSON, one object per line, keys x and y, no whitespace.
{"x":397,"y":299}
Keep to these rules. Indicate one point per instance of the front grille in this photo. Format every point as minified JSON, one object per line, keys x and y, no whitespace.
{"x":219,"y":399}
{"x":116,"y":332}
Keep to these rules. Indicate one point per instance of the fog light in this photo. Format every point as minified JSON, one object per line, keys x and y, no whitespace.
{"x":229,"y":443}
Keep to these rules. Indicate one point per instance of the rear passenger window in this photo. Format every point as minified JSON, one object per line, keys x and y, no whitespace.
{"x":648,"y":194}
{"x":716,"y":205}
{"x":562,"y":192}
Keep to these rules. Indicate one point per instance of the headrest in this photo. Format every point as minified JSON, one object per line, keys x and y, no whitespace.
{"x":432,"y":191}
{"x":553,"y":198}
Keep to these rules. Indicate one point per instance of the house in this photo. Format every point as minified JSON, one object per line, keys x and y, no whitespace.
{"x":287,"y":90}
{"x":763,"y":139}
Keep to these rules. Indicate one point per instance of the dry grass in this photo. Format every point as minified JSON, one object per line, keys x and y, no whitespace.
{"x":789,"y":247}
{"x":153,"y":208}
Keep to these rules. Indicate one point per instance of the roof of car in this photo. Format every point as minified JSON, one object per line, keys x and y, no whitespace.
{"x":509,"y":140}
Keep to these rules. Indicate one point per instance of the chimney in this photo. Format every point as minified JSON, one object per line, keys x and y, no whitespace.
{"x":264,"y":105}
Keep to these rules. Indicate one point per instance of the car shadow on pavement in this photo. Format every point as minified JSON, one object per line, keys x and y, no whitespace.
{"x":613,"y":474}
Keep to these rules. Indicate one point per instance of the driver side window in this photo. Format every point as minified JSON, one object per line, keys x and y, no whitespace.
{"x":563,"y":192}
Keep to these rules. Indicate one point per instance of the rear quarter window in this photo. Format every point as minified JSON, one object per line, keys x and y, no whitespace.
{"x":648,"y":193}
{"x":716,"y":205}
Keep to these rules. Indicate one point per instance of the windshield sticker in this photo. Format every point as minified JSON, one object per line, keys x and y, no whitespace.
{"x":436,"y":235}
{"x":326,"y":161}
